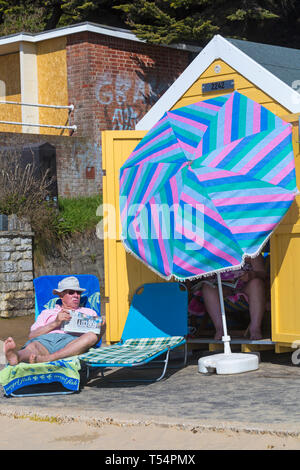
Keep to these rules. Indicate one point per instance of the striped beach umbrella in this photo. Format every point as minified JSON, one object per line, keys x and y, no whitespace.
{"x":206,"y":186}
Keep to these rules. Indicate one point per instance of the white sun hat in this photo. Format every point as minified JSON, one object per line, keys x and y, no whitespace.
{"x":68,"y":283}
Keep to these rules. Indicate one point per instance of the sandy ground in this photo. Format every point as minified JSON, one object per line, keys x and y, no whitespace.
{"x":24,"y":431}
{"x":34,"y":433}
{"x":17,"y":327}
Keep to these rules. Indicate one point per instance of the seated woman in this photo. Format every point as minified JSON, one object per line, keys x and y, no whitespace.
{"x":251,"y":283}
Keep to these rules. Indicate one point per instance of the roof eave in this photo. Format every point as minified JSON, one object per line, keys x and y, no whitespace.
{"x":220,"y":48}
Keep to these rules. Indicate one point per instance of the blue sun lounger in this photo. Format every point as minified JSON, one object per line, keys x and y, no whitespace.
{"x":155,"y":325}
{"x":57,"y":377}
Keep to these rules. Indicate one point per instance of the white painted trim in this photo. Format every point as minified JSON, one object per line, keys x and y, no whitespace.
{"x":29,"y":85}
{"x":220,"y":48}
{"x":80,"y":28}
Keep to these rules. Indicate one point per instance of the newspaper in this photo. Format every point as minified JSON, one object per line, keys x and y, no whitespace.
{"x":82,"y":323}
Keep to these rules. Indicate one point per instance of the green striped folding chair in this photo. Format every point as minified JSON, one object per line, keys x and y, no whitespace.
{"x":155,"y":325}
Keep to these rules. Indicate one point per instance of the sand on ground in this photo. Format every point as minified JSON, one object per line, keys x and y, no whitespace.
{"x":17,"y":327}
{"x":23,"y":433}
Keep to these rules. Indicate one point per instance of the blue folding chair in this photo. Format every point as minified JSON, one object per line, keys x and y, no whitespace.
{"x":155,"y":325}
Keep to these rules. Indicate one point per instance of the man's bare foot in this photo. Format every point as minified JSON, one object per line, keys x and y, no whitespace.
{"x":9,"y":349}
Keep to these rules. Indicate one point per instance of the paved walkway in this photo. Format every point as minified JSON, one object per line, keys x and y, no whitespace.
{"x":263,"y":400}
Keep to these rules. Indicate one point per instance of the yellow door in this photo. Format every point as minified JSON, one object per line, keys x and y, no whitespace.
{"x":123,"y":273}
{"x":285,"y":266}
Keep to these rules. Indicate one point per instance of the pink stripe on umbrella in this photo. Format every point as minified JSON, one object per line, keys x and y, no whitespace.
{"x":189,"y":122}
{"x":260,"y":155}
{"x":134,"y":184}
{"x":214,"y":175}
{"x":252,"y":228}
{"x":153,"y":181}
{"x":224,"y":153}
{"x":139,"y":239}
{"x":283,"y":173}
{"x":151,"y":142}
{"x":213,"y":107}
{"x":216,"y":251}
{"x":188,"y":267}
{"x":157,"y":227}
{"x":188,"y":148}
{"x":228,"y":120}
{"x":253,"y":199}
{"x":162,"y":153}
{"x":192,"y":236}
{"x":256,"y":117}
{"x":194,"y":203}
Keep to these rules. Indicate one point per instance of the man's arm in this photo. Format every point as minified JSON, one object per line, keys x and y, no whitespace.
{"x":63,"y":315}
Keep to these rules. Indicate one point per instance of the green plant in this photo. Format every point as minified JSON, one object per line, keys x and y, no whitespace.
{"x":77,"y":215}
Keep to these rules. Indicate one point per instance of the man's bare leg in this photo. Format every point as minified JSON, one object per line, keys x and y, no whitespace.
{"x":27,"y":354}
{"x":79,"y":346}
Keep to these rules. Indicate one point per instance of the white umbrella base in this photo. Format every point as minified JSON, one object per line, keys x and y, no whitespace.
{"x":233,"y":363}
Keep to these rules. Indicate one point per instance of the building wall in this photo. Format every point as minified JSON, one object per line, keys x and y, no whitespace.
{"x":112,"y":83}
{"x":10,"y":90}
{"x":52,"y":84}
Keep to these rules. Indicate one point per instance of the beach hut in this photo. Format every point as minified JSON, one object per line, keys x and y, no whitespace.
{"x":268,"y":75}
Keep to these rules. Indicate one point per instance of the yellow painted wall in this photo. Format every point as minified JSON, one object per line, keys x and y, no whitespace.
{"x":52,"y":84}
{"x":241,"y":84}
{"x":123,"y":273}
{"x":10,"y":90}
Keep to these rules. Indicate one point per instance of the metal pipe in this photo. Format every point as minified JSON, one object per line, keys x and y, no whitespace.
{"x":74,"y":127}
{"x":70,"y":107}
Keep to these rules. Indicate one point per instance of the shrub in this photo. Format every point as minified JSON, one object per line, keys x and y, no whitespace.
{"x":77,"y":215}
{"x":24,"y":191}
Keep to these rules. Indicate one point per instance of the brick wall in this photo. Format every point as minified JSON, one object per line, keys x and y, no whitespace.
{"x":113,"y":82}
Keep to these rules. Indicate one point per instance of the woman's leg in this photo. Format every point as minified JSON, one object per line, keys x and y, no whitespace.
{"x":212,"y":303}
{"x":255,"y":290}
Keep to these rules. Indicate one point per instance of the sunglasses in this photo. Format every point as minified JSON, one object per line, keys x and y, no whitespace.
{"x":72,"y":292}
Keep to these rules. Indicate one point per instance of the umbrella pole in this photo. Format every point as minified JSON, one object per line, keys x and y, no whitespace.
{"x":226,"y":338}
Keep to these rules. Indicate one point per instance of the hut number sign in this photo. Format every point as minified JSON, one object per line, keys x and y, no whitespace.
{"x":218,"y":86}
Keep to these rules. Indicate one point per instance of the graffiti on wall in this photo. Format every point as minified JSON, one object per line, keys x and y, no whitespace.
{"x":126,"y":98}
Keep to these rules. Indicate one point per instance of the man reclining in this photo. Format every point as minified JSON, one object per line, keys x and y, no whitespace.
{"x":47,"y":339}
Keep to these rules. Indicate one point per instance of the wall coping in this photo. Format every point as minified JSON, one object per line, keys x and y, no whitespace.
{"x":15,"y":233}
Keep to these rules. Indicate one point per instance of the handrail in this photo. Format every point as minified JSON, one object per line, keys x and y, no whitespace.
{"x":74,"y":127}
{"x":69,"y":107}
